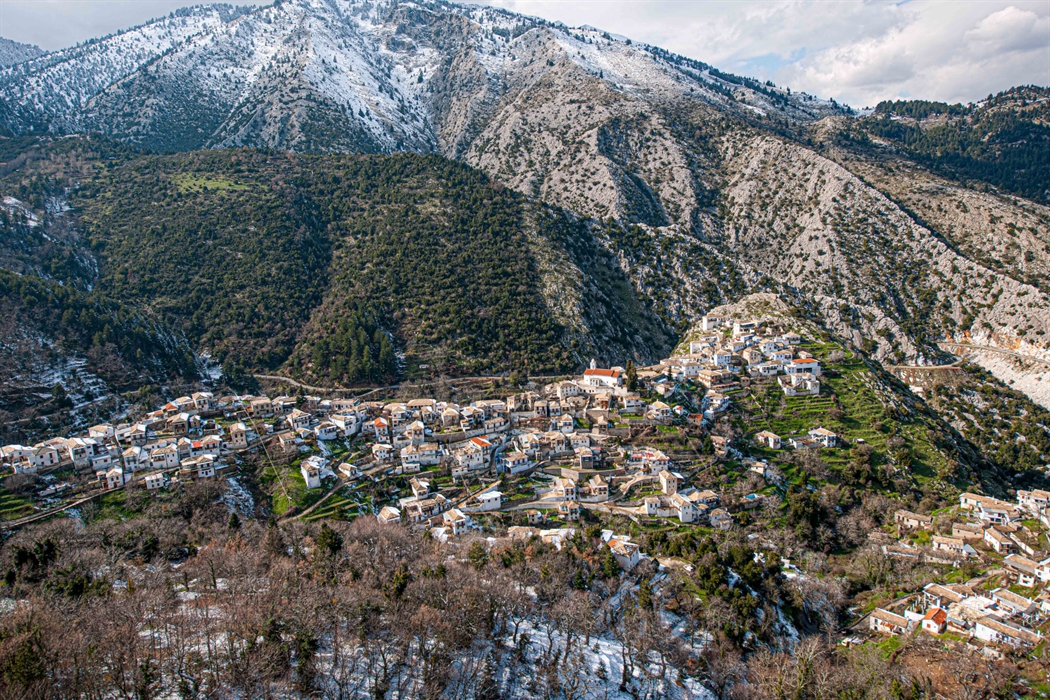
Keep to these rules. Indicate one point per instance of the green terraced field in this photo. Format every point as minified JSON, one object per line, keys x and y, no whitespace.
{"x":338,"y":506}
{"x":13,"y":507}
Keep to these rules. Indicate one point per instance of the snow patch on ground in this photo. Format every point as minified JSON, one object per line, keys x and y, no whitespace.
{"x":238,"y":499}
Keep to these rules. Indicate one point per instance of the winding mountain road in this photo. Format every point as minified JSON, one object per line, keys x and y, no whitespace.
{"x":998,"y":351}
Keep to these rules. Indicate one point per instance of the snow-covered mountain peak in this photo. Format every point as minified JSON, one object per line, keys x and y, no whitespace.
{"x":333,"y":75}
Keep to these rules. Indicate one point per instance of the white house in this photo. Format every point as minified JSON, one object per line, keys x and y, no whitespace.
{"x":166,"y":457}
{"x":632,"y":403}
{"x":240,"y":436}
{"x":806,"y":364}
{"x":410,"y":459}
{"x":204,"y":466}
{"x":710,"y":323}
{"x":516,"y":462}
{"x":889,"y":623}
{"x":990,"y":630}
{"x":824,"y":436}
{"x":1033,"y":501}
{"x":934,"y":621}
{"x":348,"y":470}
{"x":670,"y":481}
{"x":346,"y":422}
{"x":722,"y":358}
{"x":157,"y":480}
{"x":382,"y":452}
{"x":115,"y":478}
{"x":203,"y":400}
{"x":743,"y":327}
{"x":456,"y":520}
{"x":659,"y":411}
{"x":768,"y":439}
{"x":801,"y":384}
{"x":311,"y":475}
{"x":490,"y":500}
{"x":311,"y":469}
{"x":135,"y":458}
{"x":389,"y":515}
{"x":627,"y":554}
{"x":327,"y":430}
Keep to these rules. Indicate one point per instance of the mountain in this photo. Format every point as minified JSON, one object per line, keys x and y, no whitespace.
{"x":699,"y":185}
{"x":12,"y":52}
{"x":328,"y":265}
{"x":337,"y":75}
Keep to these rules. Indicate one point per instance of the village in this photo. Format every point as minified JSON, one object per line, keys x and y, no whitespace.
{"x":542,"y":462}
{"x":1003,"y":606}
{"x":566,"y":438}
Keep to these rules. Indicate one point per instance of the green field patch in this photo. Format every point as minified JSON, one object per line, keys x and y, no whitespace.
{"x":191,"y":182}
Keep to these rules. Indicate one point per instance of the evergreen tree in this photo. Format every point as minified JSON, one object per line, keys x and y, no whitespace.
{"x":610,"y":567}
{"x":329,"y":542}
{"x":58,"y":393}
{"x":632,"y":376}
{"x":488,"y":686}
{"x":478,"y":555}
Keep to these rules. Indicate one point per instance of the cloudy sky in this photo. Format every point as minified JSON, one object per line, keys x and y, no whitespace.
{"x":857,"y":51}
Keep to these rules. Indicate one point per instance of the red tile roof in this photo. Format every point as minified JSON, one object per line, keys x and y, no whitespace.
{"x":937,"y":615}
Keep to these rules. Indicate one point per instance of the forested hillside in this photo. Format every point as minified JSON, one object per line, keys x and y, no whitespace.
{"x":1005,"y":141}
{"x":62,"y":348}
{"x":336,"y":265}
{"x":684,"y":187}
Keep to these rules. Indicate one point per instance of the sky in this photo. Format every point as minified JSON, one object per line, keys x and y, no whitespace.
{"x":856,"y":51}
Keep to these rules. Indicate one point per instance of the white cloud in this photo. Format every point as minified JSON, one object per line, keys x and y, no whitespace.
{"x":857,"y":51}
{"x":1010,"y":29}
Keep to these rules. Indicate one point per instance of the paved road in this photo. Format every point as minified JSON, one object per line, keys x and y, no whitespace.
{"x":372,"y":390}
{"x":953,"y":365}
{"x":288,"y":380}
{"x":19,"y":522}
{"x":998,"y":351}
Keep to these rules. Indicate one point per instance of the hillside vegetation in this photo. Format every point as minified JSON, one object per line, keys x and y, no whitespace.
{"x":62,"y":347}
{"x":1003,"y":141}
{"x":332,"y":265}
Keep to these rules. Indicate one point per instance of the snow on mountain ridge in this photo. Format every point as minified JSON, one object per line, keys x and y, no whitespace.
{"x":63,"y":81}
{"x":244,"y":73}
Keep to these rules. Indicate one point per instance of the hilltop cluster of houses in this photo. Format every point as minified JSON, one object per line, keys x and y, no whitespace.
{"x":717,"y":362}
{"x":198,"y":436}
{"x":178,"y":438}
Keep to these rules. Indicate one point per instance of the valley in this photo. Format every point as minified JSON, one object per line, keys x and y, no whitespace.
{"x":415,"y":349}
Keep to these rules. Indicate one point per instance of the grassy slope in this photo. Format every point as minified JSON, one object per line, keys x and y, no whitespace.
{"x":858,"y":402}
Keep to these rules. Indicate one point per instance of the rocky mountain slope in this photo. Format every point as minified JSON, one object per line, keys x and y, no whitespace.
{"x":695,"y":185}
